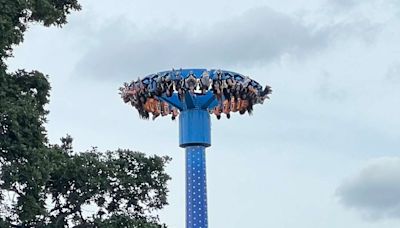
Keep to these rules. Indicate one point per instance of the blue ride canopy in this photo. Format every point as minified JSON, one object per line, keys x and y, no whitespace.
{"x":217,"y":91}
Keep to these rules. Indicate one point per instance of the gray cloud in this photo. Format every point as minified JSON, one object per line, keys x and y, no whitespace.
{"x":344,"y":4}
{"x":351,"y":4}
{"x":393,"y":73}
{"x":375,"y":190}
{"x":255,"y":37}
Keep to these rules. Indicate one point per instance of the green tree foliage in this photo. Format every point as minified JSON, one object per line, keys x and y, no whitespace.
{"x":45,"y":185}
{"x":16,"y":14}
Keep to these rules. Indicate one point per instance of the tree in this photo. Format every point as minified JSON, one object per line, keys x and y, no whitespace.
{"x":16,"y":14}
{"x":45,"y":185}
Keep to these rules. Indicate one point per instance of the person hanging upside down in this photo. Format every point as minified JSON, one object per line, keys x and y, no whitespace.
{"x":227,"y":108}
{"x":217,"y":112}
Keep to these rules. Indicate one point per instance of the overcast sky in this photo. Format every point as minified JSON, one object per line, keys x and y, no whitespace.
{"x":324,"y":152}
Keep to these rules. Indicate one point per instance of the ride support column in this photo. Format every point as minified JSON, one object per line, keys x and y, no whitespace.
{"x":194,"y":136}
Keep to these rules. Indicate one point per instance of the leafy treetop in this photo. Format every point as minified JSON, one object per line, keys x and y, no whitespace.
{"x":16,"y":14}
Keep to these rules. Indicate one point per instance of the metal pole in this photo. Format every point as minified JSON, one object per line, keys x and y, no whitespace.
{"x":194,"y":134}
{"x":196,"y":187}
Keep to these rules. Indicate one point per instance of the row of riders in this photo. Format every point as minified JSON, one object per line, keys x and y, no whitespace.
{"x":234,"y":93}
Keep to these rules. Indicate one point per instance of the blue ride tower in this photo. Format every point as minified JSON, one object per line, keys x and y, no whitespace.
{"x":194,"y":124}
